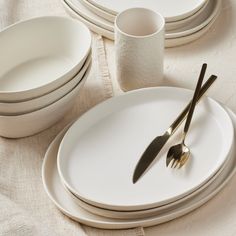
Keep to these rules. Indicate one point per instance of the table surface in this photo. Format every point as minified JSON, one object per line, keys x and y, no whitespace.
{"x":181,"y":69}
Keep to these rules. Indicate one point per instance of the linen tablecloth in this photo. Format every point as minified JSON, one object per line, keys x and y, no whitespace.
{"x":24,"y":206}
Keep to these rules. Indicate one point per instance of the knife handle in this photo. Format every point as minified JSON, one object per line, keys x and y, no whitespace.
{"x":184,"y":113}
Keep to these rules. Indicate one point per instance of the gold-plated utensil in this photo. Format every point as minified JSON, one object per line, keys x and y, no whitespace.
{"x":179,"y":153}
{"x":159,"y":142}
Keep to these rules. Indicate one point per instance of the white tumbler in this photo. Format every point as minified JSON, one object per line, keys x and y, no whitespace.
{"x":139,"y":48}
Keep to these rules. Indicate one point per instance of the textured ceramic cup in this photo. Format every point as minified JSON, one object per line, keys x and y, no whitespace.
{"x":139,"y":45}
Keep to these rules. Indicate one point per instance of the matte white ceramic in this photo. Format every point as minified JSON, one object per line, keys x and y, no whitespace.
{"x":34,"y":122}
{"x":181,"y":23}
{"x":111,"y":18}
{"x":98,"y":11}
{"x":153,"y":211}
{"x":139,"y":48}
{"x":171,"y":10}
{"x":59,"y":196}
{"x":212,"y":9}
{"x":174,"y":42}
{"x":39,"y":55}
{"x":18,"y":108}
{"x":113,"y":136}
{"x":99,"y":30}
{"x":78,"y":7}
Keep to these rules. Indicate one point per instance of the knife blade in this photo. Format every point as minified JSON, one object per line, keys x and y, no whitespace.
{"x":153,"y":149}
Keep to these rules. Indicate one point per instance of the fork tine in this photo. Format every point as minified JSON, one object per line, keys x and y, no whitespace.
{"x":181,"y":164}
{"x":168,"y":160}
{"x":177,"y":162}
{"x":173,"y":163}
{"x":183,"y":161}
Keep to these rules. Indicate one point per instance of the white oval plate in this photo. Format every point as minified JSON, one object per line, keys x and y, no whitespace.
{"x":98,"y":154}
{"x":60,"y":197}
{"x":153,"y":211}
{"x":179,"y":9}
{"x":78,"y":7}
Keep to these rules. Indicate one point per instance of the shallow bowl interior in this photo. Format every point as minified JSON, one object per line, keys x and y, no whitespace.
{"x":41,"y":53}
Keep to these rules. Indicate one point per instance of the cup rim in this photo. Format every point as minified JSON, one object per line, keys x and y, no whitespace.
{"x":141,"y":36}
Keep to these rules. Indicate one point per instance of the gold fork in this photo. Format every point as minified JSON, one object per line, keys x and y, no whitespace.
{"x":179,"y":154}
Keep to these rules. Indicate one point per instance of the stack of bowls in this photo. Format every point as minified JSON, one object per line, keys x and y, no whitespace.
{"x":44,"y":64}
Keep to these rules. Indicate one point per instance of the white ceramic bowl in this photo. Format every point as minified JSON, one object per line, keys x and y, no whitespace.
{"x":39,"y":55}
{"x":34,"y":122}
{"x":17,"y":108}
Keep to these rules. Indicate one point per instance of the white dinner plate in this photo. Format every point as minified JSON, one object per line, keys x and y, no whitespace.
{"x":99,"y":30}
{"x":172,"y":10}
{"x":211,"y":9}
{"x":59,"y":196}
{"x":173,"y":42}
{"x":204,"y":18}
{"x":168,"y":26}
{"x":78,"y":7}
{"x":98,"y":11}
{"x":98,"y":154}
{"x":180,"y":23}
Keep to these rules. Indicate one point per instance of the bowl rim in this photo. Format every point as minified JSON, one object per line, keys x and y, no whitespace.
{"x":9,"y":108}
{"x":74,"y":89}
{"x":36,"y":91}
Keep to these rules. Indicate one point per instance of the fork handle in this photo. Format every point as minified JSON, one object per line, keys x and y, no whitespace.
{"x":183,"y":114}
{"x":194,"y":100}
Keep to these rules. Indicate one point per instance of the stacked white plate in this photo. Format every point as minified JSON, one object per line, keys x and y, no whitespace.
{"x":87,"y":170}
{"x":186,"y":20}
{"x":44,"y":64}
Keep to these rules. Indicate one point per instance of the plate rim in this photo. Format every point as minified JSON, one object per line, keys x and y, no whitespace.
{"x":167,"y":19}
{"x":208,"y":20}
{"x":103,"y":23}
{"x":106,"y":103}
{"x":169,"y":42}
{"x":93,"y":27}
{"x":98,"y":11}
{"x":125,"y":225}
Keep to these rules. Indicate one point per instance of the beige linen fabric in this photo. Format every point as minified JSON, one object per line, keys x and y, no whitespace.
{"x":24,"y":206}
